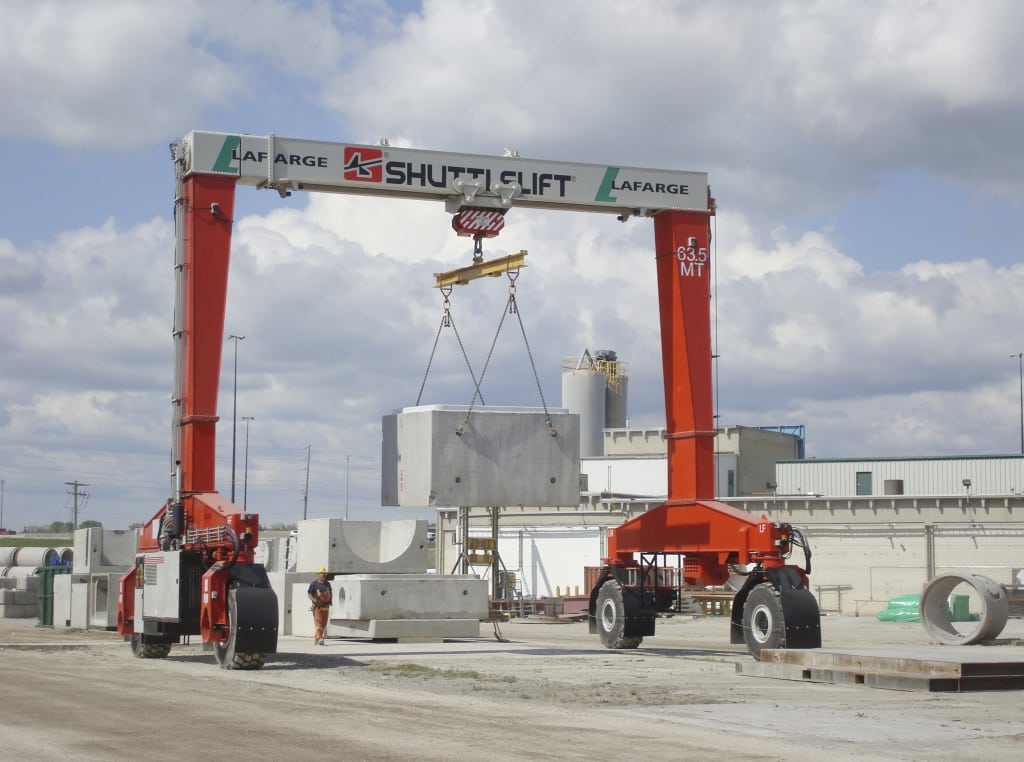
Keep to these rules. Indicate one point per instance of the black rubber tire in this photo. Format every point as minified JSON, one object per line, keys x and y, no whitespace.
{"x":143,"y":650}
{"x":611,"y":617}
{"x":764,"y":625}
{"x":226,"y":655}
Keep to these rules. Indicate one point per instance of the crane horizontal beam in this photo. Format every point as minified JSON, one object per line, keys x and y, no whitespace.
{"x":291,"y":164}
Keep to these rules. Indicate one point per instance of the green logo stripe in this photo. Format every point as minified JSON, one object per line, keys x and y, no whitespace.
{"x":224,"y":158}
{"x":604,"y":193}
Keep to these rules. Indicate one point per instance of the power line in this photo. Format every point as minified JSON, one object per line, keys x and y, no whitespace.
{"x":75,"y":494}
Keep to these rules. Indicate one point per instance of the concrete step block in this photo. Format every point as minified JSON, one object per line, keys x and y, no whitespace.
{"x":362,"y":547}
{"x":16,"y":611}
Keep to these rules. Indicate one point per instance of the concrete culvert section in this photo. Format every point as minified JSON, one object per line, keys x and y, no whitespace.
{"x":938,"y":608}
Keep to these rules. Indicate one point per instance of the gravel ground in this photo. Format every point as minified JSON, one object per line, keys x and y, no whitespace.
{"x":551,"y":692}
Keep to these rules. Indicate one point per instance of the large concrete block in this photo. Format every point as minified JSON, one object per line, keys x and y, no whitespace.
{"x":103,"y":600}
{"x":16,"y":611}
{"x":362,"y":547}
{"x":30,"y":582}
{"x":500,"y":456}
{"x":62,"y":600}
{"x":80,"y":602}
{"x":285,"y":586}
{"x":277,"y":554}
{"x":413,"y":606}
{"x":104,"y":550}
{"x":409,"y":596}
{"x":300,"y":618}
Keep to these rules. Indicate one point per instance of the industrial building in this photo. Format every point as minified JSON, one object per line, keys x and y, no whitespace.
{"x":878,"y":527}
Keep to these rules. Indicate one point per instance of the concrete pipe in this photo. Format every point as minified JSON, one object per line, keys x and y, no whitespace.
{"x":65,"y":556}
{"x":29,"y":556}
{"x":7,"y":556}
{"x":16,"y":572}
{"x":935,"y":614}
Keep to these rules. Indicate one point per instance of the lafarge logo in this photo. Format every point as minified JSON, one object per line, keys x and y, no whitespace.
{"x":365,"y":165}
{"x":611,"y":182}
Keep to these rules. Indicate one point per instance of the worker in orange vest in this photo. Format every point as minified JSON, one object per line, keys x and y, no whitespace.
{"x":320,"y":596}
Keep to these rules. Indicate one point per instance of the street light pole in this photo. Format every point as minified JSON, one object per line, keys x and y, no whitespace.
{"x":245,"y":470}
{"x":234,"y":410}
{"x":1020,"y":370}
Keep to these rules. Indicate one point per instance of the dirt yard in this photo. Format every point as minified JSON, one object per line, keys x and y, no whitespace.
{"x":549,"y":693}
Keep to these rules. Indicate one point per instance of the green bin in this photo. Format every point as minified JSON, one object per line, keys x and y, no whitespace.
{"x":959,"y":608}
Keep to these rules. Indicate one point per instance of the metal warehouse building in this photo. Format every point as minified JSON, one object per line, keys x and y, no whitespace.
{"x":976,"y":474}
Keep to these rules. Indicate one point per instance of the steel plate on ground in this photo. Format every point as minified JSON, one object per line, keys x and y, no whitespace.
{"x":913,"y":670}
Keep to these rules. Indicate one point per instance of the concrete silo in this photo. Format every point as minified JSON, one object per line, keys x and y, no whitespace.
{"x":594,"y":385}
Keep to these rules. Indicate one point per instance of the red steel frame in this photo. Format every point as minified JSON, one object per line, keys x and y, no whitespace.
{"x":207,"y":203}
{"x":691,"y":522}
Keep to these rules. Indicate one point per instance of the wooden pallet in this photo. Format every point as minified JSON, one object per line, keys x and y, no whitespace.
{"x":930,"y":670}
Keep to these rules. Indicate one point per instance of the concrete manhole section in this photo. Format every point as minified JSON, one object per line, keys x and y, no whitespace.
{"x":949,"y":606}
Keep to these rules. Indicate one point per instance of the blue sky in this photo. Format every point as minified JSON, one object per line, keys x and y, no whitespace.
{"x":865,"y":157}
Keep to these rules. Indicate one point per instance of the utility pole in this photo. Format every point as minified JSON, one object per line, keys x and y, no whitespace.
{"x":305,"y":492}
{"x":234,"y":412}
{"x":75,"y":494}
{"x":1020,"y":370}
{"x":2,"y":483}
{"x":245,"y":472}
{"x":346,"y":486}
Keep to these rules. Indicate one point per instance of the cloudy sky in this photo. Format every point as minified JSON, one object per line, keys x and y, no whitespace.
{"x":866,"y":158}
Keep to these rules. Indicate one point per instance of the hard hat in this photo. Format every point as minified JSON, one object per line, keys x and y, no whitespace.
{"x":321,"y":570}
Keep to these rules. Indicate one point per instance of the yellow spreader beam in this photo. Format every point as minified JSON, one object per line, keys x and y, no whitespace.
{"x":491,"y":268}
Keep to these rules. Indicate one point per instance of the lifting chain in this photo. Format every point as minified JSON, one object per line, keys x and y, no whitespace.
{"x":447,"y":321}
{"x":511,"y":308}
{"x":478,"y":248}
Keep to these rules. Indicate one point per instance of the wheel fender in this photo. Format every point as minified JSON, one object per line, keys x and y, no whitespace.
{"x":799,"y":607}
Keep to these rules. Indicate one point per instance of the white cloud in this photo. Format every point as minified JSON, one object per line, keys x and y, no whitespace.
{"x":791,"y":107}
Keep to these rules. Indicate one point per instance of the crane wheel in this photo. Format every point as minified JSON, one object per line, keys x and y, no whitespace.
{"x":226,"y":652}
{"x":611,"y":617}
{"x":764,"y":625}
{"x":144,"y":650}
{"x":245,"y":661}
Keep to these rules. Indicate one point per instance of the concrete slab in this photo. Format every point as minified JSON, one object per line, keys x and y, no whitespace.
{"x":437,"y":455}
{"x":405,"y":630}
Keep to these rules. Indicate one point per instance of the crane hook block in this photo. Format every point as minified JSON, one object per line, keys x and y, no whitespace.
{"x":478,"y":223}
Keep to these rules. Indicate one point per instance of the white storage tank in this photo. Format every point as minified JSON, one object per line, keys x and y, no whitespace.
{"x":595,"y":385}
